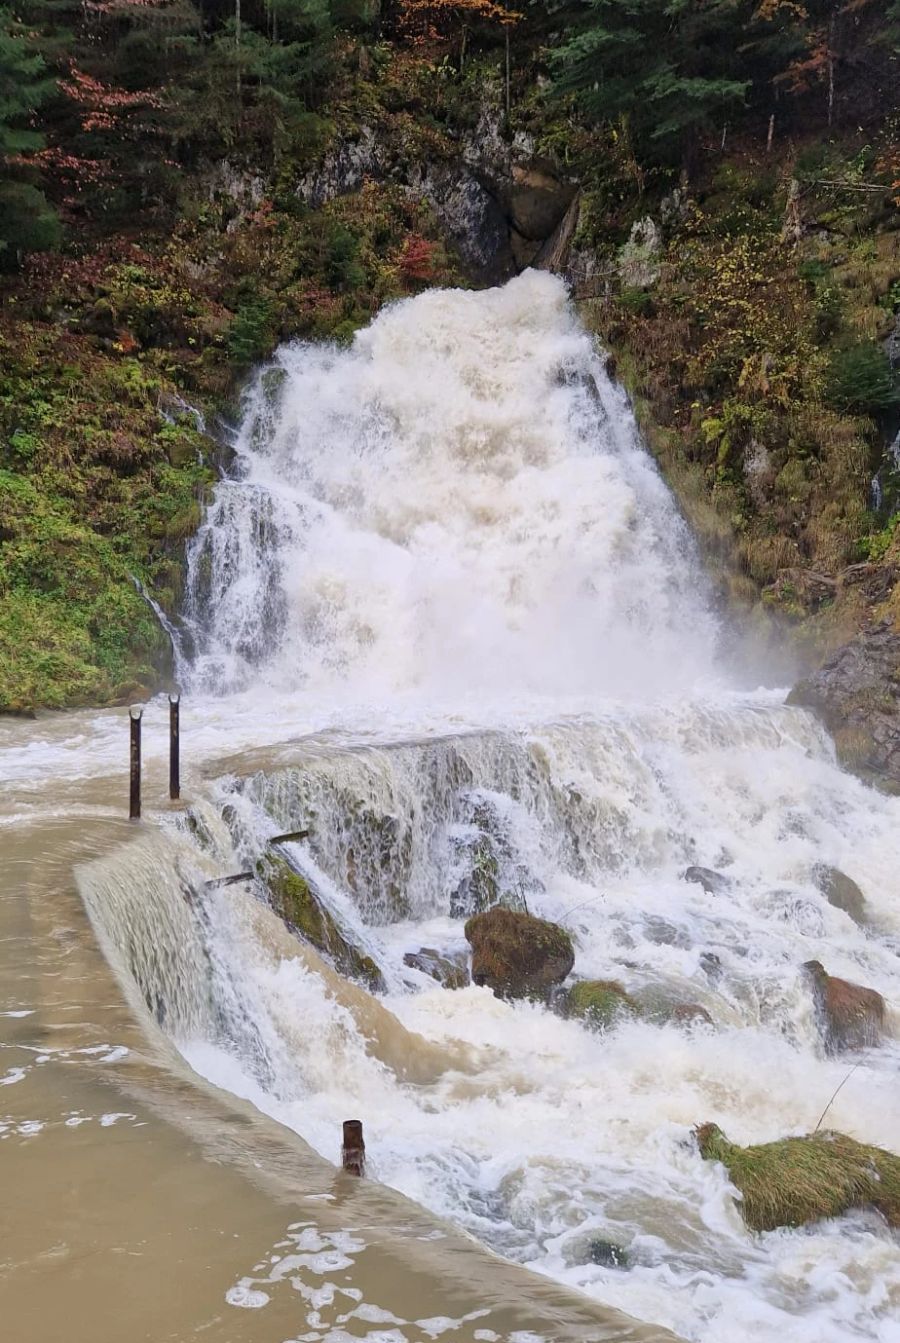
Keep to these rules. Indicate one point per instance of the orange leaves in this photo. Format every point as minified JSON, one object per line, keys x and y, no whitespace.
{"x":103,"y":104}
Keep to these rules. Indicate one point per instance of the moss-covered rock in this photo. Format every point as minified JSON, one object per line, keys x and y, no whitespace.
{"x":852,"y":1016}
{"x":800,"y":1180}
{"x":294,"y":900}
{"x":600,"y":1003}
{"x":517,"y":955}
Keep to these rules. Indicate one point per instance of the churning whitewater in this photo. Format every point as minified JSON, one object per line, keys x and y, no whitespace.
{"x":446,"y":576}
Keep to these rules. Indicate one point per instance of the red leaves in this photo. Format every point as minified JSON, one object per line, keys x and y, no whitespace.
{"x":418,"y":260}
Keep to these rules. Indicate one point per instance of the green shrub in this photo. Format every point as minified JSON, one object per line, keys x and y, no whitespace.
{"x":860,"y":379}
{"x":250,"y":336}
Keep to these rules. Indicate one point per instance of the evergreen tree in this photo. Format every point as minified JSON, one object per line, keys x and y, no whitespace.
{"x":669,"y":68}
{"x":26,"y":220}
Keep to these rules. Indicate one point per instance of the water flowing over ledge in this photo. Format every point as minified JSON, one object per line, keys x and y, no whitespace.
{"x":446,"y":613}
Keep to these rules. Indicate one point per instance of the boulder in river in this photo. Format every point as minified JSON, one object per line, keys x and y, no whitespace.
{"x":607,"y":1253}
{"x":856,"y":693}
{"x":841,"y":891}
{"x":517,"y":955}
{"x":600,"y":1002}
{"x":714,"y":883}
{"x":451,"y":972}
{"x":799,"y":1180}
{"x":295,"y":901}
{"x":852,"y":1016}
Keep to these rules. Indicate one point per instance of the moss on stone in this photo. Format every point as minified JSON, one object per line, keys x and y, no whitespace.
{"x":294,"y":900}
{"x":799,"y":1180}
{"x":601,"y":1002}
{"x":517,"y":955}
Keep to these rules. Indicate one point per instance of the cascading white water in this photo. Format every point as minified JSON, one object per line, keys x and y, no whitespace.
{"x":460,"y":502}
{"x":450,"y":541}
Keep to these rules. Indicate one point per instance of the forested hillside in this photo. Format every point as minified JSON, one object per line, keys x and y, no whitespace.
{"x":185,"y":185}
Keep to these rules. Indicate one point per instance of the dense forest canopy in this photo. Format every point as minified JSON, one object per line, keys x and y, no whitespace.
{"x":104,"y":103}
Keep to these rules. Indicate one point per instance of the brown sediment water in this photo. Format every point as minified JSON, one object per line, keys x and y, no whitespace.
{"x":139,"y":1203}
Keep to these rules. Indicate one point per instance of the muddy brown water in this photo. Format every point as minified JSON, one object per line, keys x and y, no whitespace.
{"x":139,"y":1203}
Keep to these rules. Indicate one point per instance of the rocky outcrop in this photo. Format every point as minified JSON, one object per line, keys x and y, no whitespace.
{"x":714,"y":883}
{"x":807,"y":1179}
{"x":451,"y":972}
{"x":856,"y":693}
{"x":294,"y":900}
{"x":840,"y":891}
{"x":852,"y":1016}
{"x":516,"y":955}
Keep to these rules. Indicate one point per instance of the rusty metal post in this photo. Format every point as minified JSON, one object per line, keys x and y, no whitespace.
{"x":135,"y":713}
{"x":174,"y":748}
{"x":353,"y":1151}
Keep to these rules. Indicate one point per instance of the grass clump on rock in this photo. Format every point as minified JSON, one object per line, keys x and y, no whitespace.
{"x":799,"y":1180}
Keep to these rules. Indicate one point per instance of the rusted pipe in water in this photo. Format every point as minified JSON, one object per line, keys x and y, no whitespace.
{"x":353,"y":1150}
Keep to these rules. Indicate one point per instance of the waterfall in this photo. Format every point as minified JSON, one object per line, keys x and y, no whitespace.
{"x":458,"y":501}
{"x":449,"y":620}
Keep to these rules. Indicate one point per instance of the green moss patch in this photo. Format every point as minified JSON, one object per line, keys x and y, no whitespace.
{"x":294,"y":900}
{"x":600,"y":1002}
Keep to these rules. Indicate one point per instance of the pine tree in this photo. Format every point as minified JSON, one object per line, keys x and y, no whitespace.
{"x":670,"y":68}
{"x":26,"y":220}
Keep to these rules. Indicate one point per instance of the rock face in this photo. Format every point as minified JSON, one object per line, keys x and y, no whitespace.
{"x":800,"y":1180}
{"x":714,"y":883}
{"x":852,"y":1016}
{"x":639,"y":258}
{"x":516,"y":955}
{"x":841,"y":891}
{"x":451,"y":972}
{"x":294,"y":900}
{"x":856,"y":693}
{"x":600,"y":1003}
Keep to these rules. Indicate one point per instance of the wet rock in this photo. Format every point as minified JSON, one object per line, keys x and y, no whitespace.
{"x":663,"y":1003}
{"x":852,"y":1016}
{"x":800,"y":1180}
{"x":607,"y":1253}
{"x":714,"y":883}
{"x":841,"y":891}
{"x":711,"y":965}
{"x":856,"y":693}
{"x":516,"y":955}
{"x":690,"y":1014}
{"x":451,"y":972}
{"x":483,"y":853}
{"x":294,"y":900}
{"x":537,"y":201}
{"x":600,"y":1003}
{"x":665,"y":934}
